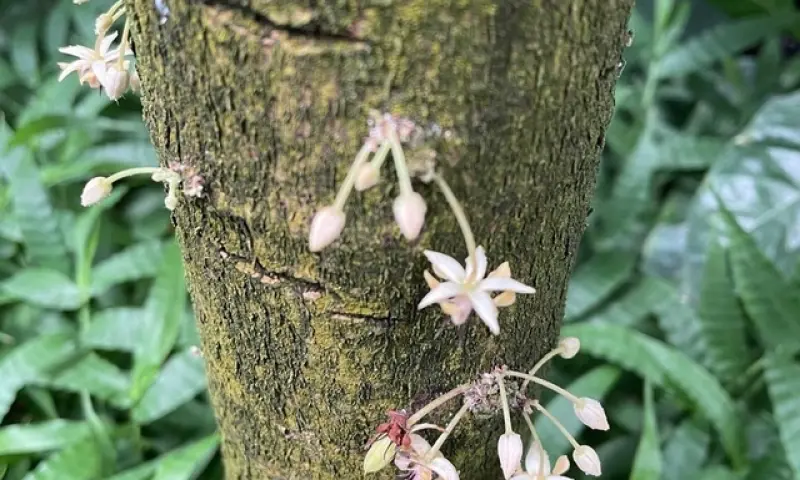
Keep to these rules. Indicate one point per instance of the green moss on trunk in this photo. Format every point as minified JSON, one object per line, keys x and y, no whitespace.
{"x":269,"y":99}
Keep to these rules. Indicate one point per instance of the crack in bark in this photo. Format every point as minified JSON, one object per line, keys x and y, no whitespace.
{"x":312,"y":31}
{"x":257,"y":271}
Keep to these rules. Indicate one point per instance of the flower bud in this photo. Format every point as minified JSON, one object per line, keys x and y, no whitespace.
{"x":95,"y":190}
{"x":380,"y":454}
{"x":136,"y":85}
{"x":509,"y":449}
{"x":569,"y":347}
{"x":103,"y":23}
{"x":171,"y":201}
{"x":367,"y":177}
{"x":113,"y":80}
{"x":587,"y":460}
{"x":562,"y":465}
{"x":533,"y":460}
{"x":591,"y":413}
{"x":326,"y":227}
{"x":409,"y":213}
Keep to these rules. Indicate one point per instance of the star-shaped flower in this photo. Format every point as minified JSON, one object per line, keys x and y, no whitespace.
{"x":534,"y":470}
{"x":90,"y":60}
{"x":465,"y":290}
{"x":414,"y":465}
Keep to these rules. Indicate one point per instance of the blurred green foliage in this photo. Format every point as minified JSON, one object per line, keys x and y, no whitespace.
{"x":686,"y":294}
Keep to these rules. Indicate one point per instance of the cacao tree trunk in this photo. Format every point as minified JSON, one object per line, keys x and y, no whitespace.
{"x":268,"y":99}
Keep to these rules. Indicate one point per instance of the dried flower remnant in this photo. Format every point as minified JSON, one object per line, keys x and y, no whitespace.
{"x":399,"y":439}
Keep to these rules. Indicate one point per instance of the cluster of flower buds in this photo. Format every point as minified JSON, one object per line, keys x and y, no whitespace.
{"x":178,"y":177}
{"x":399,"y":440}
{"x":103,"y":66}
{"x":386,"y":135}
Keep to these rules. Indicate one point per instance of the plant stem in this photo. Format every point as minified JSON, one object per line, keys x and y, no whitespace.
{"x":380,"y":155}
{"x":447,"y":431}
{"x":133,"y":171}
{"x":123,"y":46}
{"x":461,"y":218}
{"x":540,"y":364}
{"x":350,"y":179}
{"x":504,"y":401}
{"x":558,"y":424}
{"x":436,"y":403}
{"x":537,"y":443}
{"x":552,"y":386}
{"x":400,"y":166}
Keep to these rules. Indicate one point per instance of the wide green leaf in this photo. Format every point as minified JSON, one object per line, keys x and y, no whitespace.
{"x":40,"y":437}
{"x":30,"y":362}
{"x":95,"y":375}
{"x":180,"y":380}
{"x":80,"y":461}
{"x":45,"y":288}
{"x":594,"y":384}
{"x":783,"y":382}
{"x":141,"y":260}
{"x":596,"y":279}
{"x":669,"y":368}
{"x":187,"y":462}
{"x":776,"y":122}
{"x":685,"y":450}
{"x":647,"y":463}
{"x":722,"y":321}
{"x":161,"y":324}
{"x":114,"y":329}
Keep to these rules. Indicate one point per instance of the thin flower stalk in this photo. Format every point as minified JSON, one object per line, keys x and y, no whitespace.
{"x":448,"y":430}
{"x":544,"y":383}
{"x":436,"y":403}
{"x":557,"y":423}
{"x":461,"y":218}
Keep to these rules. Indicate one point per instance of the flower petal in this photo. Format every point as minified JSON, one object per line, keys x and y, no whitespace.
{"x":499,"y":284}
{"x":67,"y":68}
{"x":444,"y":469}
{"x":105,"y":44}
{"x":533,"y":460}
{"x":446,"y":265}
{"x":439,"y":294}
{"x":480,"y":255}
{"x":84,"y":53}
{"x":419,"y":444}
{"x":485,"y":308}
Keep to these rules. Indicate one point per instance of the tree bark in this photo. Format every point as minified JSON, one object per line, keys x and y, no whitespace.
{"x":268,"y":100}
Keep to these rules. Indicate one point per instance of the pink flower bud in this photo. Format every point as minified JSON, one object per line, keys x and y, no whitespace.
{"x":569,"y":347}
{"x":113,"y":80}
{"x":509,"y":449}
{"x":562,"y":465}
{"x":95,"y":190}
{"x":409,"y":213}
{"x":587,"y":460}
{"x":326,"y":227}
{"x":591,"y":413}
{"x":367,"y":177}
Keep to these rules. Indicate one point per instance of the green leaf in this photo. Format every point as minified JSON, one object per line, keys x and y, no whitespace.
{"x":79,"y":461}
{"x":25,"y":55}
{"x":101,"y":160}
{"x":783,"y":383}
{"x":181,"y":379}
{"x":680,"y":324}
{"x":93,"y":374}
{"x":768,"y":298}
{"x":667,"y":367}
{"x":635,"y":304}
{"x":40,"y":437}
{"x":45,"y":288}
{"x":594,"y":384}
{"x":44,"y":244}
{"x":776,"y":122}
{"x":719,"y":43}
{"x":596,"y":279}
{"x":685,"y":451}
{"x":30,"y":362}
{"x":647,"y":464}
{"x":141,"y":260}
{"x":114,"y":329}
{"x":143,"y":471}
{"x":187,"y":462}
{"x":161,"y":322}
{"x":722,"y":321}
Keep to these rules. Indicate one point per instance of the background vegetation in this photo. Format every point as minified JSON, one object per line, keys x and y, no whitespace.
{"x":686,"y":296}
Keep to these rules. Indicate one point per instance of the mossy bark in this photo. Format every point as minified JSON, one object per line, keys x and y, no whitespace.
{"x":268,"y":99}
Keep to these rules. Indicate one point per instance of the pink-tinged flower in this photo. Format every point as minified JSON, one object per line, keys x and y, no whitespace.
{"x":465,"y":290}
{"x":415,"y":465}
{"x":326,"y":227}
{"x":368,"y":176}
{"x":534,"y":470}
{"x":409,"y":213}
{"x":509,"y":451}
{"x":95,"y":190}
{"x":89,"y":58}
{"x":113,"y":80}
{"x":587,"y":460}
{"x":591,"y":413}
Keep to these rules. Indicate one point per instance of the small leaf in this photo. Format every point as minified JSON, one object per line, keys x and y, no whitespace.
{"x":667,"y":367}
{"x":25,"y":54}
{"x":95,"y":375}
{"x":595,"y":280}
{"x":647,"y":464}
{"x":114,"y":329}
{"x":40,"y":437}
{"x":180,"y":380}
{"x":685,"y":451}
{"x":142,"y":260}
{"x":161,"y":323}
{"x":722,"y":321}
{"x":79,"y":461}
{"x":45,"y":288}
{"x":187,"y":462}
{"x":31,"y":362}
{"x":783,"y":382}
{"x":594,"y":384}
